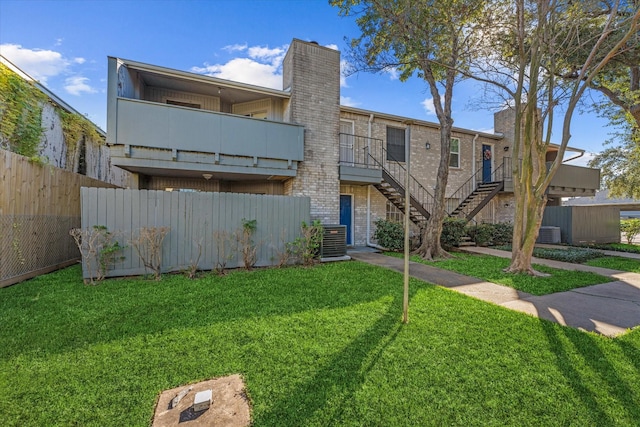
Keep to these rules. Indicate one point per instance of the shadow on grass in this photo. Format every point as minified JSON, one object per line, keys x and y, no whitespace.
{"x":589,"y":372}
{"x":56,"y":312}
{"x":330,"y":394}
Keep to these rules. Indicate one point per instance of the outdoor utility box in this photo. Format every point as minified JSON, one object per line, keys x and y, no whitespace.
{"x":334,"y":241}
{"x":549,"y":235}
{"x":202,"y":400}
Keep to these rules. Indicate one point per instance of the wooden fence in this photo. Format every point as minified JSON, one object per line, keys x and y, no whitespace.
{"x":38,"y":206}
{"x":194,"y":219}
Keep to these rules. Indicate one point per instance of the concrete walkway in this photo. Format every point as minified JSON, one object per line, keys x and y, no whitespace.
{"x":609,"y":309}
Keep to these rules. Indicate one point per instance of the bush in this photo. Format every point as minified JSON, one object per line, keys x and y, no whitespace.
{"x":481,"y":234}
{"x":389,"y":234}
{"x":630,"y":228}
{"x":453,"y":230}
{"x":502,"y":233}
{"x":571,"y":254}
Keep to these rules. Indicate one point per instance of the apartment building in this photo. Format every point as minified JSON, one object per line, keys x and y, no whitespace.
{"x":179,"y":131}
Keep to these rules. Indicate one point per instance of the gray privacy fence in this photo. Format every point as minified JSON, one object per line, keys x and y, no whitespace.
{"x":193,"y":219}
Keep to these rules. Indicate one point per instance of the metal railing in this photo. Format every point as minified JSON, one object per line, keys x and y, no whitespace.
{"x":398,"y":173}
{"x":360,"y":151}
{"x":479,"y":177}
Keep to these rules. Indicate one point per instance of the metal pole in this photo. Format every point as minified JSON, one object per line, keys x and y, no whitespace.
{"x":407,"y":210}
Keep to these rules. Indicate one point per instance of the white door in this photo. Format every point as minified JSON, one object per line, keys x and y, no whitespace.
{"x":347,"y":140}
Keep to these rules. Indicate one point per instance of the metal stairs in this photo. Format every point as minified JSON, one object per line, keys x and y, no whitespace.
{"x":394,"y":176}
{"x":474,"y":194}
{"x":476,"y":200}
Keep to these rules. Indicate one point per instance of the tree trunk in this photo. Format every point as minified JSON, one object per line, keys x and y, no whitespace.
{"x":527,"y":226}
{"x":430,"y":247}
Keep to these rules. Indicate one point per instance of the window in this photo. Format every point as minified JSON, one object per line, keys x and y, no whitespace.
{"x":393,"y":213}
{"x":395,"y":144}
{"x":182,"y":104}
{"x":454,"y":160}
{"x":257,"y":115}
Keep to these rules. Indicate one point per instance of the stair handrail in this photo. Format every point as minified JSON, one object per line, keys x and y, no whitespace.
{"x":470,"y":185}
{"x":398,"y":172}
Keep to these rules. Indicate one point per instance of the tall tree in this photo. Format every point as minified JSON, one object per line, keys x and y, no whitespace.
{"x":619,"y":82}
{"x":533,"y":45}
{"x":433,"y":39}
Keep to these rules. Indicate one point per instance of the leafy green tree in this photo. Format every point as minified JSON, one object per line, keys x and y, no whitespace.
{"x":433,"y":39}
{"x":527,"y":55}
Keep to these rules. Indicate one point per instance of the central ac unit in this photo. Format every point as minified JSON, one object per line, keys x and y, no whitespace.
{"x":334,"y":241}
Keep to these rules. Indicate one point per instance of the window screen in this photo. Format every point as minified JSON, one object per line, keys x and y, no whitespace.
{"x":395,"y":144}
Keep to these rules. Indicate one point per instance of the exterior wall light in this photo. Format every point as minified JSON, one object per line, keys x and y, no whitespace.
{"x":207,"y":176}
{"x":506,"y":148}
{"x":427,"y":146}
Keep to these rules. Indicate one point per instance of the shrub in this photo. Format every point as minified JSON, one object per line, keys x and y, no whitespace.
{"x":571,"y":254}
{"x":491,"y":234}
{"x":481,"y":234}
{"x":389,"y":234}
{"x":453,"y":230}
{"x":97,"y":245}
{"x":502,"y":233}
{"x":306,"y":248}
{"x":248,"y":247}
{"x":148,"y":245}
{"x":630,"y":228}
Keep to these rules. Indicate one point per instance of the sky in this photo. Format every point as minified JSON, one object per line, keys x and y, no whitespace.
{"x":65,"y":44}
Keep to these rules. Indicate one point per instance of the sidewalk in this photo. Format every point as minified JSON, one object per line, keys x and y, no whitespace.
{"x":609,"y":309}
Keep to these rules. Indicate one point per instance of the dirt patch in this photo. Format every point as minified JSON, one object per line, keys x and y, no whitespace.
{"x":229,"y":405}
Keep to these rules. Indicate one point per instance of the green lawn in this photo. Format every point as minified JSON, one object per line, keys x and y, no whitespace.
{"x":489,"y":268}
{"x":317,"y":347}
{"x":616,"y":263}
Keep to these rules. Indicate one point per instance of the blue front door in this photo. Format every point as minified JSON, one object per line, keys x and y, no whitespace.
{"x":345,"y":214}
{"x":486,"y":163}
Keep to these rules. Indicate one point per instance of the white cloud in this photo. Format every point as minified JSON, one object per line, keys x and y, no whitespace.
{"x":38,"y":63}
{"x":79,"y":60}
{"x":244,"y":70}
{"x":235,"y":47}
{"x":263,"y":67}
{"x":348,"y":102}
{"x":429,"y":107}
{"x":486,"y":130}
{"x":580,"y":161}
{"x":77,"y":85}
{"x":345,"y":69}
{"x":332,"y":46}
{"x":393,"y":73}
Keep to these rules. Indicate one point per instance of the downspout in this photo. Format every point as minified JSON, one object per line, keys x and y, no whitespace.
{"x":574,"y":157}
{"x":369,"y":242}
{"x":473,"y":155}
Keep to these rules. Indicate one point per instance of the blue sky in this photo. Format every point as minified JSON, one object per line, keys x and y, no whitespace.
{"x":65,"y":45}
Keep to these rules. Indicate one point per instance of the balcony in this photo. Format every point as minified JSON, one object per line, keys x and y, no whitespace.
{"x":153,"y":138}
{"x":569,"y":180}
{"x":358,"y":156}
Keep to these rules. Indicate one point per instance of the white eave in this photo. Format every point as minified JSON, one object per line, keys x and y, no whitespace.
{"x":200,"y":78}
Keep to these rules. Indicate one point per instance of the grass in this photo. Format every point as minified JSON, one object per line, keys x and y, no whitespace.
{"x":489,"y":268}
{"x":616,"y":263}
{"x":317,"y":347}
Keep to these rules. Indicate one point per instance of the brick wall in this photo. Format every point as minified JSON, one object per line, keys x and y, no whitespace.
{"x":312,"y":73}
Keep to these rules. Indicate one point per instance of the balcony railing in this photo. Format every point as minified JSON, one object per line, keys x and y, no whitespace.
{"x":359,"y":151}
{"x":154,"y":125}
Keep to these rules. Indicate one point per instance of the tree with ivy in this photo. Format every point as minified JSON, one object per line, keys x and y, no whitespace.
{"x":434,"y":40}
